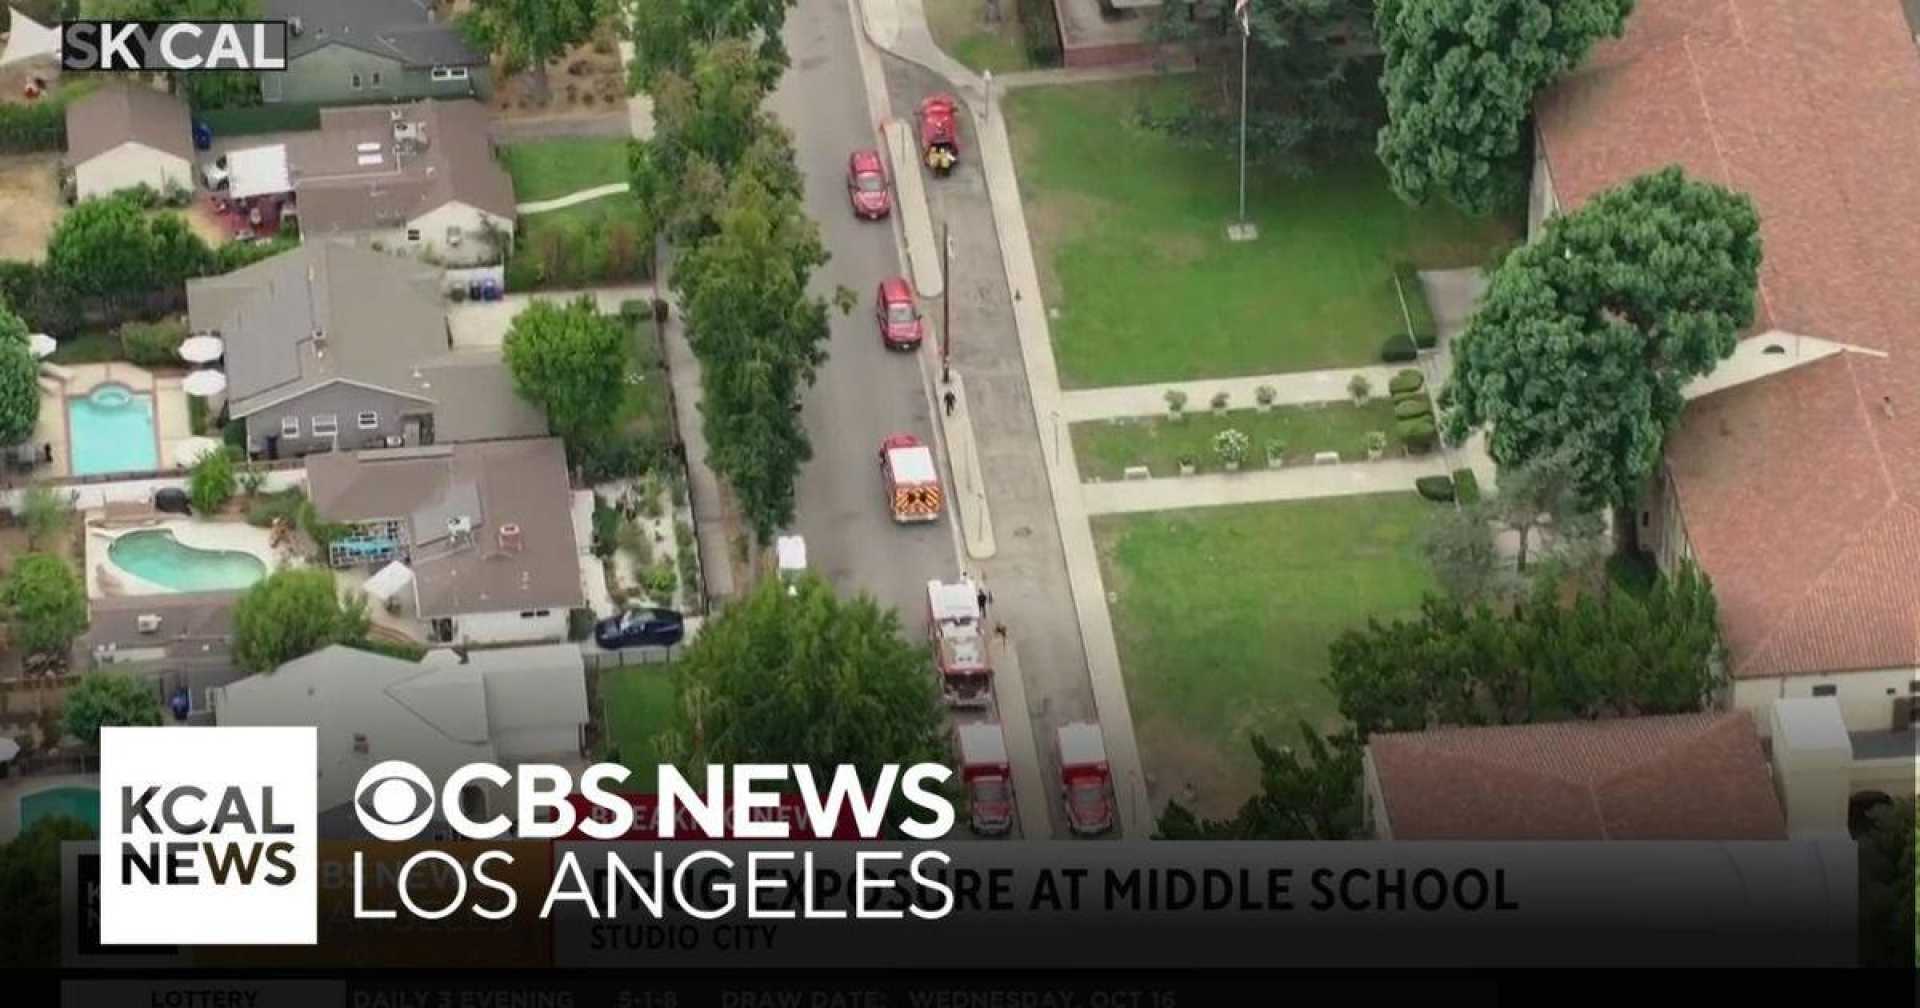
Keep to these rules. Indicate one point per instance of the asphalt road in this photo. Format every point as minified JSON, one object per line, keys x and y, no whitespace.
{"x":865,"y":392}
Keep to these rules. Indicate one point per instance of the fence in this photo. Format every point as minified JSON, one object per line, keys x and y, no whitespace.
{"x":601,"y":660}
{"x":128,"y":488}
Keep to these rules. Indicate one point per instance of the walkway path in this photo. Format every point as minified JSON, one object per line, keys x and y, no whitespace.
{"x":1453,"y":295}
{"x":1297,"y":388}
{"x":899,"y":26}
{"x":1086,"y":75}
{"x":1303,"y":482}
{"x":571,"y":199}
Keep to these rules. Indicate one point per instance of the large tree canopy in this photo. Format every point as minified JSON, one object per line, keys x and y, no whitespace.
{"x":1608,"y":654}
{"x":566,"y":358}
{"x":32,"y":928}
{"x":666,"y":34}
{"x":110,"y":249}
{"x":48,"y":604}
{"x":1460,"y":80}
{"x":1313,"y":73}
{"x":529,"y":33}
{"x":1587,"y":336}
{"x":1889,"y":887}
{"x":109,"y":699}
{"x":806,"y":677}
{"x":19,"y":381}
{"x":1304,"y":795}
{"x":294,"y":612}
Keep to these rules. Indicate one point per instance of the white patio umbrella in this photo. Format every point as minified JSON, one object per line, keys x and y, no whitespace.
{"x":201,"y":349}
{"x":8,"y":750}
{"x":42,"y":345}
{"x":204,"y":384}
{"x":189,"y":450}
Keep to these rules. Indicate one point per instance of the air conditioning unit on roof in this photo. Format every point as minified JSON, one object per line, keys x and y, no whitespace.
{"x":147,"y":622}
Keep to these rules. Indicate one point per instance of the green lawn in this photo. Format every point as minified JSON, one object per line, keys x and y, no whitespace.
{"x":1224,"y":616}
{"x":93,"y":347}
{"x":645,"y":411}
{"x":960,"y":28}
{"x":636,"y":704}
{"x":1106,"y":447}
{"x":544,"y":169}
{"x":1128,"y":227}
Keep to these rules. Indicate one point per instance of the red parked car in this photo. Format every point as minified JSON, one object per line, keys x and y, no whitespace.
{"x":899,"y":317}
{"x":867,"y":185}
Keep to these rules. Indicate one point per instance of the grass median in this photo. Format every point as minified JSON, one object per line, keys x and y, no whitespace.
{"x":1105,"y":448}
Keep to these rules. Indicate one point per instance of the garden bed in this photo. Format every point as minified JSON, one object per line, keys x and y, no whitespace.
{"x":1105,"y":448}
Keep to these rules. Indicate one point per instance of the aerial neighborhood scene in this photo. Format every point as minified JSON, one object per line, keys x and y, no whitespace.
{"x":1264,"y":420}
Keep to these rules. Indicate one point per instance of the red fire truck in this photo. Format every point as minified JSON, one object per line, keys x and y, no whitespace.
{"x":984,"y":768}
{"x":1085,"y":779}
{"x":959,"y":645}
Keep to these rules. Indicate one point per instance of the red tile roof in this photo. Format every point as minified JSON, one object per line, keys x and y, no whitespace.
{"x":1799,"y":492}
{"x":1675,"y":777}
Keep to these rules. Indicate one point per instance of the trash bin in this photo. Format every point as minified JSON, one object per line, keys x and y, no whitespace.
{"x":476,"y":290}
{"x":202,"y":135}
{"x":489,"y":290}
{"x":172,"y":500}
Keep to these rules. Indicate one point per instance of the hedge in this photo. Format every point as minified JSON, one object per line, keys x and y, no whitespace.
{"x":1466,"y":486}
{"x":1409,"y":408}
{"x":403,"y":650}
{"x":1041,"y":28}
{"x":1409,"y":380}
{"x":153,"y":344}
{"x":1435,"y":488}
{"x":1397,"y":351}
{"x":247,"y":119}
{"x":1419,"y":435}
{"x":1419,"y":314}
{"x":25,"y":129}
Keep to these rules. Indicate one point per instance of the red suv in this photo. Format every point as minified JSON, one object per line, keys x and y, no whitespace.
{"x":867,"y":185}
{"x":899,"y":318}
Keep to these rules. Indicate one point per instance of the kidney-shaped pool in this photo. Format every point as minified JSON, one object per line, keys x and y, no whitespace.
{"x":156,"y":556}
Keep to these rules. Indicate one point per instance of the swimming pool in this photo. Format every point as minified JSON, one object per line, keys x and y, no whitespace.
{"x":110,"y":429}
{"x":80,"y":803}
{"x":156,"y":556}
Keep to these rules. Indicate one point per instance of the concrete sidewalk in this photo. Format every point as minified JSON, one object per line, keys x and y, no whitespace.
{"x":1453,"y":295}
{"x":1293,"y":389}
{"x":571,"y":199}
{"x":1083,"y":567}
{"x":1256,"y":486}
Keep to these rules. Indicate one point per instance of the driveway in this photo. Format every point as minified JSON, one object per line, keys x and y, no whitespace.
{"x":478,"y":324}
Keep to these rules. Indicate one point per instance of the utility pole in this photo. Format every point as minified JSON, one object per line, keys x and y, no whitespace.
{"x":1243,"y":229}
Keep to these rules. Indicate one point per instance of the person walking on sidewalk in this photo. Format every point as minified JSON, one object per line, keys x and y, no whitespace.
{"x":951,"y":400}
{"x":983,"y":598}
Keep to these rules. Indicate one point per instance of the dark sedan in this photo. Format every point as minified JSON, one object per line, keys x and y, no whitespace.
{"x":640,"y":628}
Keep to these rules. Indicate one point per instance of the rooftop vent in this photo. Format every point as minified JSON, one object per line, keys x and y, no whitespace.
{"x":360,"y":744}
{"x":510,"y":539}
{"x":147,"y":622}
{"x":295,"y":26}
{"x":460,"y":526}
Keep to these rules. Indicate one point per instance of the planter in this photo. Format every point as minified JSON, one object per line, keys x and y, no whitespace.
{"x":1175,"y":416}
{"x":1188,"y":468}
{"x":1375,"y":454}
{"x":1233,"y":466}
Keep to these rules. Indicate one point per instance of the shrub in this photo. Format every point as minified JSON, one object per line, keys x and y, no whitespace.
{"x":285,"y":504}
{"x":660,"y":582}
{"x":197,"y":419}
{"x":1410,"y":407}
{"x":251,"y":479}
{"x":406,"y":651}
{"x":1176,"y":400}
{"x":1406,"y":381}
{"x":1359,"y":388}
{"x":1040,"y":28}
{"x":234,"y":255}
{"x":41,"y":126}
{"x":153,"y":344}
{"x":1419,"y":435}
{"x":1376,"y":442}
{"x":606,"y":528}
{"x":689,"y":560}
{"x":1220,"y":400}
{"x":457,"y":293}
{"x":1435,"y":488}
{"x":1397,"y":350}
{"x":579,"y":624}
{"x":1276,"y":450}
{"x":1232,"y":446}
{"x":234,"y":435}
{"x":1466,"y":486}
{"x":211,"y":483}
{"x":274,"y":118}
{"x":1265,"y":395}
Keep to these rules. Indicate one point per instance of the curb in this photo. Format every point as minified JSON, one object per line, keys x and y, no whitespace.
{"x":916,"y":220}
{"x":970,"y":487}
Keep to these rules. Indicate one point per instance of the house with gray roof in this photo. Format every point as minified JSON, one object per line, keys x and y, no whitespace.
{"x":507,"y":706}
{"x":419,"y":179}
{"x":182,"y":642}
{"x":486,"y":530}
{"x":127,"y":135}
{"x":334,"y":347}
{"x":342,"y":51}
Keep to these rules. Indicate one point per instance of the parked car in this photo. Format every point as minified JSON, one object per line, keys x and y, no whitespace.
{"x":640,"y":628}
{"x":867,"y":185}
{"x":899,"y":317}
{"x":214,"y":174}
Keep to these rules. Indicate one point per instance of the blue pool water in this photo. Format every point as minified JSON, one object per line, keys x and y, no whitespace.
{"x":80,"y":803}
{"x":111,"y":430}
{"x":158,"y":557}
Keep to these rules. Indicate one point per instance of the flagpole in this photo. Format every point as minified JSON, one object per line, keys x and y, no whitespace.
{"x":1243,"y":229}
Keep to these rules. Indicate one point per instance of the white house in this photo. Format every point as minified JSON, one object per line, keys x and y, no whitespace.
{"x":123,"y":136}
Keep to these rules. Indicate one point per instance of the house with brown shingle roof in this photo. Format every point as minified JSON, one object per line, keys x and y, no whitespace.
{"x":127,"y":135}
{"x":1672,"y":777}
{"x":1793,"y":479}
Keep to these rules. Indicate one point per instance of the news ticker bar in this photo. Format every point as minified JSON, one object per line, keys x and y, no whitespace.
{"x":1095,"y":906}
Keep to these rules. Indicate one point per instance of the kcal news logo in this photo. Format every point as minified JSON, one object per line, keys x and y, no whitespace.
{"x":207,"y":836}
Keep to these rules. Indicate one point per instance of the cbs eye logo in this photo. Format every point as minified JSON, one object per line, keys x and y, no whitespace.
{"x":394,"y":801}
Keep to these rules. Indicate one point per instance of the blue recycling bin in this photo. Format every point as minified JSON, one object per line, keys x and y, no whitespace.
{"x":489,"y":290}
{"x":202,"y":135}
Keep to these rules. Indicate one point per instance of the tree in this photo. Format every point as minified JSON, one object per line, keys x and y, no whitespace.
{"x":759,"y":335}
{"x":666,"y":34}
{"x":1310,"y":795}
{"x":1586,"y":337}
{"x":1312,"y":78}
{"x":1543,"y":495}
{"x":108,"y":699}
{"x":1606,"y":654}
{"x":211,"y":483}
{"x":31,"y":929}
{"x":44,"y":511}
{"x":1459,"y":548}
{"x":1889,"y":887}
{"x":806,"y":678}
{"x":19,"y":381}
{"x":1460,"y":77}
{"x":109,"y":249}
{"x":293,"y":612}
{"x":48,"y":606}
{"x":530,"y":33}
{"x":568,"y":359}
